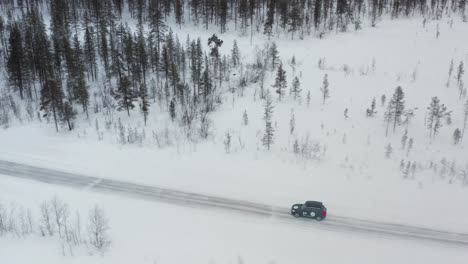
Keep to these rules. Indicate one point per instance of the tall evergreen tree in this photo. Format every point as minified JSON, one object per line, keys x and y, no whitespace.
{"x":268,"y":137}
{"x":17,"y":70}
{"x":280,"y":82}
{"x":296,"y":89}
{"x":52,"y":99}
{"x":324,"y":89}
{"x":436,"y":112}
{"x":125,"y":95}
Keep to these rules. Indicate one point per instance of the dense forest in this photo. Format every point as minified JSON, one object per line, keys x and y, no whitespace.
{"x":63,"y":57}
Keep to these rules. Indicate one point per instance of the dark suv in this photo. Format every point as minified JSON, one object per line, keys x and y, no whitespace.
{"x":311,"y":209}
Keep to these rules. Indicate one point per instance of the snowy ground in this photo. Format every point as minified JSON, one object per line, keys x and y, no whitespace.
{"x":145,"y":232}
{"x":353,"y":179}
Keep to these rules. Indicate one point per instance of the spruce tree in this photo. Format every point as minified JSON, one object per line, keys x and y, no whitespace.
{"x":16,"y":61}
{"x":125,"y":96}
{"x":324,"y":89}
{"x":235,"y":54}
{"x":280,"y":82}
{"x":437,"y":111}
{"x":398,"y":106}
{"x":296,"y":89}
{"x":144,"y":103}
{"x":268,"y":137}
{"x":52,"y":99}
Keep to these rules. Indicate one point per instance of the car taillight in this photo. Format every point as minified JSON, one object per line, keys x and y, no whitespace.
{"x":324,"y":213}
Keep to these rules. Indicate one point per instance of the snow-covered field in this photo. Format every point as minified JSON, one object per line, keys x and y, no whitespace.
{"x":146,"y":232}
{"x":353,"y":178}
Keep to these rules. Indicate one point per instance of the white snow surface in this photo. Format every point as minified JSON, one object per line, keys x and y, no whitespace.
{"x":148,"y":232}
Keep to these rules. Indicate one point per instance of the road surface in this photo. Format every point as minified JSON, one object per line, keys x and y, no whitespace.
{"x":333,"y":222}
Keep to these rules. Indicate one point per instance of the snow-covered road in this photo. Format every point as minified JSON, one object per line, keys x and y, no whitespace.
{"x":333,"y":222}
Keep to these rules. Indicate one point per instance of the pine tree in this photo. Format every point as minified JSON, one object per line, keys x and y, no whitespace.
{"x":410,"y":145}
{"x":172,"y":110}
{"x":280,"y":82}
{"x":450,"y":73}
{"x":437,"y":111}
{"x":397,"y":106}
{"x":90,"y":53}
{"x":125,"y":96}
{"x":388,"y":151}
{"x":16,"y":61}
{"x":404,"y":138}
{"x":324,"y":89}
{"x":461,"y":71}
{"x":273,"y":52}
{"x":370,"y":112}
{"x":144,"y":104}
{"x":465,"y":118}
{"x":227,"y":142}
{"x":268,"y":137}
{"x":295,"y":18}
{"x":52,"y":99}
{"x":383,"y":99}
{"x":235,"y":54}
{"x":68,"y":115}
{"x":245,"y":118}
{"x":270,"y":19}
{"x":308,"y":98}
{"x":292,"y":122}
{"x":296,"y":89}
{"x":457,"y":136}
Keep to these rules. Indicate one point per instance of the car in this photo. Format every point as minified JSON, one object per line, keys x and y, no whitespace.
{"x":310,"y":209}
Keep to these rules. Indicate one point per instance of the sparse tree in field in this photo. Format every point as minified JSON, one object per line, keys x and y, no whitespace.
{"x":268,"y":137}
{"x":227,"y":142}
{"x":245,"y":118}
{"x":436,"y":112}
{"x":461,"y":71}
{"x":98,"y":227}
{"x":388,"y":151}
{"x":465,"y":118}
{"x":456,"y":136}
{"x":292,"y":122}
{"x":398,"y":106}
{"x":404,"y":139}
{"x":280,"y":82}
{"x":461,"y":89}
{"x":46,"y":222}
{"x":324,"y":89}
{"x":296,"y":89}
{"x":410,"y":145}
{"x":296,"y":147}
{"x":345,"y":113}
{"x":370,"y":112}
{"x":383,"y":99}
{"x":450,"y":73}
{"x":172,"y":110}
{"x":308,"y":98}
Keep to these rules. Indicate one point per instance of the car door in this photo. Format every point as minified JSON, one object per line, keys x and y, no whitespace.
{"x":310,"y":211}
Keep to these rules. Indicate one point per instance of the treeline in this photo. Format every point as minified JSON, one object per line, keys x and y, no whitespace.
{"x":87,"y":58}
{"x":129,"y":66}
{"x":266,"y":16}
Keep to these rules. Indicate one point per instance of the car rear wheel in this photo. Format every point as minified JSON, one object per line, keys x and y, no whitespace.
{"x":297,"y":215}
{"x":318,"y":218}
